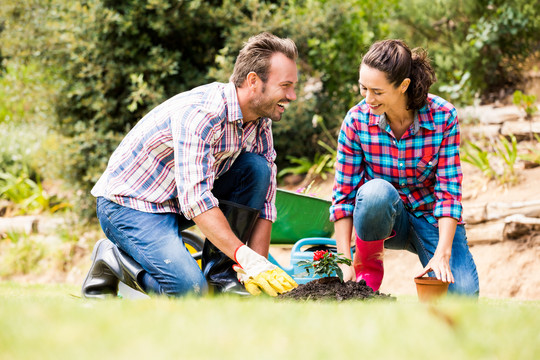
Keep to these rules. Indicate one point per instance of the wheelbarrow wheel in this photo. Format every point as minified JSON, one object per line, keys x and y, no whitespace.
{"x":194,"y":244}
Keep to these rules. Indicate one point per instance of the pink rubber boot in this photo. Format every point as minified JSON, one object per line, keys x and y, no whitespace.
{"x":368,"y":261}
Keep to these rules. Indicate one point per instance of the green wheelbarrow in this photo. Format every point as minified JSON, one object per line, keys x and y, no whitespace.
{"x":300,"y":216}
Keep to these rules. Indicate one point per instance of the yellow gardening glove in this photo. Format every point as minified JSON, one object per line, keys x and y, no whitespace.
{"x":257,"y":273}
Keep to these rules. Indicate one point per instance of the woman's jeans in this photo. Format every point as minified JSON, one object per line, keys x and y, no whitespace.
{"x":155,"y":241}
{"x":379,"y":210}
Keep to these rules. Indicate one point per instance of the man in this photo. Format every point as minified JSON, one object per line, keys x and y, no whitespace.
{"x":204,"y":156}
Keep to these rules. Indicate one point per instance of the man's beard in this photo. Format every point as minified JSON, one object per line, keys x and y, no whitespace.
{"x":265,"y":107}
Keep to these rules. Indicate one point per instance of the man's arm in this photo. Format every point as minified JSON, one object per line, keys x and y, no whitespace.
{"x":260,"y":238}
{"x":215,"y":227}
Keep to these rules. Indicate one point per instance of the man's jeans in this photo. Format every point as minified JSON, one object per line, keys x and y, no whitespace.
{"x":155,"y":242}
{"x":379,"y":210}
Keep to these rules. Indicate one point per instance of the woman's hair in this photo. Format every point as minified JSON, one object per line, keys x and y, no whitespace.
{"x":256,"y":53}
{"x":398,"y":62}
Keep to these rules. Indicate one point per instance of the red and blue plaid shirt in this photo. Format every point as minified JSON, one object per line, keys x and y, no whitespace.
{"x":423,"y":166}
{"x":168,"y":162}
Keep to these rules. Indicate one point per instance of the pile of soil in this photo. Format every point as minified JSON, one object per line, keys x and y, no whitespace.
{"x":331,"y":288}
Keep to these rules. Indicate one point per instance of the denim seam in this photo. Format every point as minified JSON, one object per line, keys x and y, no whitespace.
{"x":424,"y":251}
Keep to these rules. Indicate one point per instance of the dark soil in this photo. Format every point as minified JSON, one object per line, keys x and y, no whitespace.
{"x":331,"y":288}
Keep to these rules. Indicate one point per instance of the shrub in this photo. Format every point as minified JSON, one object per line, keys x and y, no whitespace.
{"x":477,"y":46}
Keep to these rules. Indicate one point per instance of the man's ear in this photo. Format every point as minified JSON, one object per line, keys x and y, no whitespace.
{"x":251,"y":80}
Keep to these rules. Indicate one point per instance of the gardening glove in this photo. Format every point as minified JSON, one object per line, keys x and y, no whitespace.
{"x":257,"y":273}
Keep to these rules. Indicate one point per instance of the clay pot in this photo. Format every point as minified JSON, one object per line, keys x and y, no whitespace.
{"x":430,"y":289}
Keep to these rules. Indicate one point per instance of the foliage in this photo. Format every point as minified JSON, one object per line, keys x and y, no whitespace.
{"x":20,"y":255}
{"x":507,"y":151}
{"x":478,"y":157}
{"x":21,"y":169}
{"x":525,"y":102}
{"x":325,"y":263}
{"x":477,"y":46}
{"x":497,"y":160}
{"x":533,"y":152}
{"x":319,"y":166}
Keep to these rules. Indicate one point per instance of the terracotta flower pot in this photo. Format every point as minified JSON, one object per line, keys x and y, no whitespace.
{"x":430,"y":289}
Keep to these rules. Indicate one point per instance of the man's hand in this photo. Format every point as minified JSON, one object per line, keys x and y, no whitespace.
{"x":257,"y":273}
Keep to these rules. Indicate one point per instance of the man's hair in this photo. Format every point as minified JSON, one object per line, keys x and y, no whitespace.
{"x":256,"y":53}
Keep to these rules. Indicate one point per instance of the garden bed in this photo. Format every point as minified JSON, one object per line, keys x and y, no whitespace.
{"x":331,"y":288}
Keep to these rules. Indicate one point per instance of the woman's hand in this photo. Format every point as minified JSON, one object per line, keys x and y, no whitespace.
{"x":348,"y":272}
{"x":440,"y":262}
{"x":440,"y":265}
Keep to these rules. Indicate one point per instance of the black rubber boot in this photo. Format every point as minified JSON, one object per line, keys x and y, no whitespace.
{"x":110,"y":265}
{"x":217,"y":267}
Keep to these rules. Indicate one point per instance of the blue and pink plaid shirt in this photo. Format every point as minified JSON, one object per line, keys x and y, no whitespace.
{"x":423,"y":166}
{"x":169,"y":160}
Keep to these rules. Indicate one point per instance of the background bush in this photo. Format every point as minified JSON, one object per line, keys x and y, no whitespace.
{"x":478,"y":47}
{"x":88,"y":71}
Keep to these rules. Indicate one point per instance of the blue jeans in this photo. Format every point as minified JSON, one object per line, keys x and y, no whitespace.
{"x":379,"y":210}
{"x":155,"y":241}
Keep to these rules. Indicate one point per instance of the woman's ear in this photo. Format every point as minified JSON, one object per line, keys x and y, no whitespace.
{"x":404,"y":85}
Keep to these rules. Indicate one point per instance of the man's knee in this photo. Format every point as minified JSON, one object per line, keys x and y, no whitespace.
{"x":257,"y":168}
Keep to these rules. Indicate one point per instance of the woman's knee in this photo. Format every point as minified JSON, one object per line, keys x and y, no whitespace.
{"x":376,"y":199}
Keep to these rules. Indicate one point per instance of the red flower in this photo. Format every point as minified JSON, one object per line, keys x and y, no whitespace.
{"x":319,"y":254}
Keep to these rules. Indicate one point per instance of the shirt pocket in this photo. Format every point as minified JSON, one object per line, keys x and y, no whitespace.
{"x":426,"y":168}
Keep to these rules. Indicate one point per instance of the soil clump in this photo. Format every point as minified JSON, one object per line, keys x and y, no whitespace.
{"x":331,"y":288}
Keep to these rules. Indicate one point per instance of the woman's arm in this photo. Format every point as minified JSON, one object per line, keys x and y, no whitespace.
{"x":343,"y":231}
{"x":440,"y":262}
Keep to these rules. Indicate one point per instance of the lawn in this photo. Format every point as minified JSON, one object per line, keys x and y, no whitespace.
{"x":52,"y":322}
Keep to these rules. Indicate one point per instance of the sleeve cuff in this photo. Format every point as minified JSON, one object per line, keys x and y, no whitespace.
{"x":448,"y":208}
{"x":205,"y":203}
{"x":340,"y":211}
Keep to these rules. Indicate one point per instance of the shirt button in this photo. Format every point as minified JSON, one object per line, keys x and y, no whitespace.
{"x":400,"y":164}
{"x":429,"y":163}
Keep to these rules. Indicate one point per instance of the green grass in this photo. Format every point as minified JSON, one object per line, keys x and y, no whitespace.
{"x":51,"y":322}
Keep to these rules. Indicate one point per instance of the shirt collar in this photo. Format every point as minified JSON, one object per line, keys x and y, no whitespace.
{"x":234,"y":113}
{"x":422,"y":118}
{"x":426,"y":118}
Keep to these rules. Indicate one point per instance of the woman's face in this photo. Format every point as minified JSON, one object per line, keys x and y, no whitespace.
{"x":381,"y":96}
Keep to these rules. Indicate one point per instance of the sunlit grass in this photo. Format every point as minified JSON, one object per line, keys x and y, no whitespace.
{"x":52,"y":322}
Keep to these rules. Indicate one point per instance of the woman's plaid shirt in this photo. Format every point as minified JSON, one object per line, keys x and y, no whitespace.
{"x":423,"y":166}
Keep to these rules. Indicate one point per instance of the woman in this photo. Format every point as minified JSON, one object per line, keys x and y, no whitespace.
{"x":398,"y":173}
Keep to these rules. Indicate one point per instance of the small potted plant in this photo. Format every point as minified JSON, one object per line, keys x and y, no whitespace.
{"x":325,"y":264}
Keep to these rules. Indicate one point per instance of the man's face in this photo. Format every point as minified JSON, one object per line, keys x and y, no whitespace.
{"x":275,"y":95}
